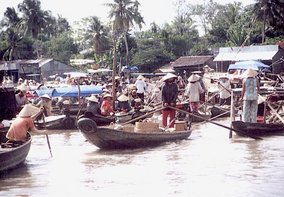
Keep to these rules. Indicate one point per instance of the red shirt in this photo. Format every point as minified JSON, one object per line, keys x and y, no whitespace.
{"x":106,"y":108}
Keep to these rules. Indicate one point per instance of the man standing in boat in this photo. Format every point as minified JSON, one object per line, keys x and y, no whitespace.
{"x":249,"y":95}
{"x":169,"y":97}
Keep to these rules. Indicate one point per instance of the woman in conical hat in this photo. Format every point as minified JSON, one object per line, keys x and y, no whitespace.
{"x":46,"y":104}
{"x":123,"y":104}
{"x":93,"y":107}
{"x":169,"y":97}
{"x":193,"y":90}
{"x":249,"y":95}
{"x":24,"y":122}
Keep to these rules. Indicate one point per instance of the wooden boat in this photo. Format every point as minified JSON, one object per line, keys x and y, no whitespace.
{"x":257,"y":129}
{"x":56,"y":122}
{"x":106,"y":137}
{"x":12,"y":154}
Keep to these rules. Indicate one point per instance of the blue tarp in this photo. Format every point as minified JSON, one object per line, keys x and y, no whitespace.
{"x":72,"y":91}
{"x":243,"y":65}
{"x":130,"y":68}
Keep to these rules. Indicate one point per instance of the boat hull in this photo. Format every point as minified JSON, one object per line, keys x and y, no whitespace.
{"x":10,"y":157}
{"x":108,"y":138}
{"x":257,"y":129}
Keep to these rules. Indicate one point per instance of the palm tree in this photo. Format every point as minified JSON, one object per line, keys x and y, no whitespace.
{"x":34,"y":19}
{"x":271,"y":13}
{"x":125,"y":14}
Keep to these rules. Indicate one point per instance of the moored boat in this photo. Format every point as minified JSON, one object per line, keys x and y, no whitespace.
{"x":257,"y":129}
{"x":107,"y":137}
{"x":12,"y":154}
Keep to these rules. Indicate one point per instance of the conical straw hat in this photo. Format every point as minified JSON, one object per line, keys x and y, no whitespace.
{"x":122,"y":98}
{"x":107,"y":95}
{"x":29,"y":110}
{"x":193,"y":78}
{"x":45,"y":96}
{"x":169,"y":76}
{"x":92,"y":98}
{"x":249,"y":73}
{"x":140,"y":77}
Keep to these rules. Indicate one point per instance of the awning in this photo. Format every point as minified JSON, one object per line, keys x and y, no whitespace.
{"x":266,"y":52}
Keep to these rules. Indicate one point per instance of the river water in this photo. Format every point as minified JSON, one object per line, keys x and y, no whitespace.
{"x":207,"y":164}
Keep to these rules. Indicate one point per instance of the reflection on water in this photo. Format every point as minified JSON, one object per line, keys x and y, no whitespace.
{"x":207,"y":164}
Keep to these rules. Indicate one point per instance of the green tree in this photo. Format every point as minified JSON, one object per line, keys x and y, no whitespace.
{"x":125,"y":13}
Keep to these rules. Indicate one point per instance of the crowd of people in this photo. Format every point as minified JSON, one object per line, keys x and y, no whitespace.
{"x":167,"y":91}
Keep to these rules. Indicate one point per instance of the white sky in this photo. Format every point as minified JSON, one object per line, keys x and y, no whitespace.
{"x":160,"y":11}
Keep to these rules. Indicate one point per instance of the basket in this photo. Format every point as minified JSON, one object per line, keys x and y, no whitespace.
{"x":180,"y":125}
{"x":128,"y":128}
{"x":146,"y":127}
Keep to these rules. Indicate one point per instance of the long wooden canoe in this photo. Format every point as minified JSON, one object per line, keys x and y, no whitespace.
{"x":105,"y":137}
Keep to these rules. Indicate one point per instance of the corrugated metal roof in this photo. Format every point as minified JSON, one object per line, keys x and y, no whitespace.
{"x":191,"y":61}
{"x":265,"y":52}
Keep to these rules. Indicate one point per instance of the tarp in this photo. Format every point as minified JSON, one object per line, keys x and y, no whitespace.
{"x":243,"y":65}
{"x":265,"y":52}
{"x":129,"y":69}
{"x":71,"y":91}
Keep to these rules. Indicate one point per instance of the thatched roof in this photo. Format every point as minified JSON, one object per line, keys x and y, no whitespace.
{"x":191,"y":61}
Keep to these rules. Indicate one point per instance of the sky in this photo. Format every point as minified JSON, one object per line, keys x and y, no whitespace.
{"x":160,"y":11}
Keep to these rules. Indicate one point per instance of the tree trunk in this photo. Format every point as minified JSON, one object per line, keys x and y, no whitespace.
{"x":126,"y":46}
{"x":263,"y":29}
{"x":114,"y":73}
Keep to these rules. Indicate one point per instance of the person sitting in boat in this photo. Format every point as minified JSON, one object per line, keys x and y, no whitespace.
{"x":106,"y":106}
{"x":224,"y":87}
{"x":93,"y":107}
{"x":21,"y":99}
{"x":193,"y":91}
{"x":123,"y":103}
{"x":46,"y":104}
{"x":23,"y":123}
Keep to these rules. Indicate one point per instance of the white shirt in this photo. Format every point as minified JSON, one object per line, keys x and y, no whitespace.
{"x":141,"y":86}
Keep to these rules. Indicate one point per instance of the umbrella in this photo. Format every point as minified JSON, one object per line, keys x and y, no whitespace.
{"x":243,"y":65}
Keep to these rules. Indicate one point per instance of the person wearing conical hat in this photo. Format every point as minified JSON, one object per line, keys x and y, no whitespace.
{"x":93,"y":107}
{"x":21,"y":99}
{"x":169,"y":96}
{"x":141,"y":87}
{"x":193,"y":91}
{"x":123,"y":104}
{"x":224,"y":86}
{"x":23,"y":123}
{"x":249,"y":95}
{"x":46,"y":104}
{"x":106,"y":106}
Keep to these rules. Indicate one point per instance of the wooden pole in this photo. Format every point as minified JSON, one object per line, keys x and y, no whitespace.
{"x":47,"y":138}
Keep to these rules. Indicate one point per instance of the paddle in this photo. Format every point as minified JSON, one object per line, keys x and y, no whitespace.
{"x":218,"y":124}
{"x":47,"y":138}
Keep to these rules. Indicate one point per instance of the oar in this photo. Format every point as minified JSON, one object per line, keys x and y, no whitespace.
{"x":218,"y":124}
{"x":143,"y":116}
{"x":47,"y":138}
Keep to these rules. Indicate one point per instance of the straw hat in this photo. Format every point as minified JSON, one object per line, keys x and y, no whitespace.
{"x":23,"y":87}
{"x":117,"y":78}
{"x":29,"y":110}
{"x":193,"y":78}
{"x":140,"y":77}
{"x":122,"y":98}
{"x":249,"y":73}
{"x":45,"y":96}
{"x":169,"y":76}
{"x":224,"y":76}
{"x":93,"y":98}
{"x":107,"y":95}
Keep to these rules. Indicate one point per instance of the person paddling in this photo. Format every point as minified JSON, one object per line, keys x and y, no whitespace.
{"x":23,"y":123}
